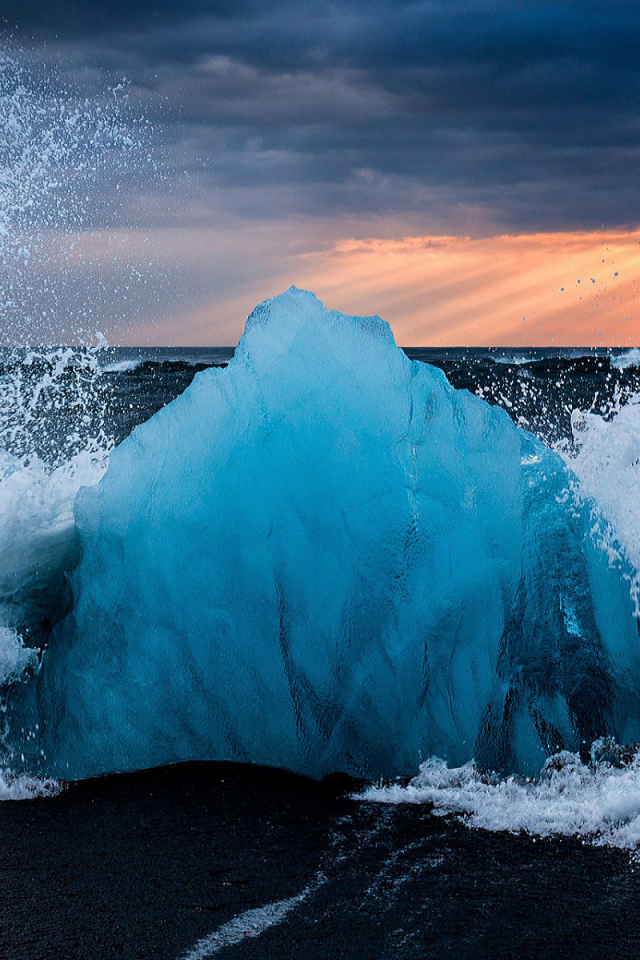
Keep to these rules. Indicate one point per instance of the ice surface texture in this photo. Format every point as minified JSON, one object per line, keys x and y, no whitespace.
{"x":326,"y":558}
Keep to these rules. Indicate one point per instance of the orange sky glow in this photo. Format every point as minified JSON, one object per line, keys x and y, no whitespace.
{"x":562,"y":289}
{"x":540,"y":289}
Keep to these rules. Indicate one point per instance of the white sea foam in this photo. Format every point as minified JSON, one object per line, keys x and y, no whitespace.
{"x":38,"y":391}
{"x":27,"y":788}
{"x":37,"y":527}
{"x":605,"y":459}
{"x":37,"y":541}
{"x":598,"y":802}
{"x":122,"y":366}
{"x":52,"y":442}
{"x":512,"y":361}
{"x":15,"y":658}
{"x":630,"y":358}
{"x":248,"y":925}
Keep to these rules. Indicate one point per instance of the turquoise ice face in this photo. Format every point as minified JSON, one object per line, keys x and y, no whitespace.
{"x":326,"y":558}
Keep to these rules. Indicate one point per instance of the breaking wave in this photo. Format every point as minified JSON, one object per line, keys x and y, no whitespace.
{"x":597,"y":801}
{"x":23,"y":787}
{"x":630,"y":358}
{"x":63,"y":158}
{"x":604,"y":458}
{"x":122,"y":366}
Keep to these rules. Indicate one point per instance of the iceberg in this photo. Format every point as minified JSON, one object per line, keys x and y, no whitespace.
{"x":325,"y":558}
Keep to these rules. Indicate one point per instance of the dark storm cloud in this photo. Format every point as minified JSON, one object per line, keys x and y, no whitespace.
{"x":426,"y":111}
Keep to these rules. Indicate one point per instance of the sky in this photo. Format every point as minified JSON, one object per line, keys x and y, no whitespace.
{"x":469,"y":170}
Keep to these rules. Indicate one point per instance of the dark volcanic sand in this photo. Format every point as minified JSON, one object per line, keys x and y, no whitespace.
{"x":146,"y":865}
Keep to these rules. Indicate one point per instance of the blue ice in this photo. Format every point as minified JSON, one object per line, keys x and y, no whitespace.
{"x":323,"y":558}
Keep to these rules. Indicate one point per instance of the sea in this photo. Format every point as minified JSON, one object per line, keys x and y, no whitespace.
{"x":198,"y":860}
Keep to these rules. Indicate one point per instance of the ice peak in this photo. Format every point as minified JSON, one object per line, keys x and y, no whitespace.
{"x":276,"y":322}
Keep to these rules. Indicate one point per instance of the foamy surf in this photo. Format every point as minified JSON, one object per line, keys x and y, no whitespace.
{"x":15,"y":658}
{"x":630,"y":358}
{"x":605,"y":459}
{"x":52,"y":443}
{"x":248,"y":925}
{"x":37,"y":525}
{"x":598,"y":802}
{"x":37,"y":530}
{"x":122,"y":366}
{"x":22,"y":787}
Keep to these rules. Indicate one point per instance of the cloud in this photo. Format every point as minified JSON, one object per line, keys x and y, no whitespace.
{"x":528,"y":112}
{"x":287,"y":127}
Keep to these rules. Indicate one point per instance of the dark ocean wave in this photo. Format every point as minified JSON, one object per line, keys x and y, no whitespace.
{"x":139,"y":362}
{"x":149,"y":367}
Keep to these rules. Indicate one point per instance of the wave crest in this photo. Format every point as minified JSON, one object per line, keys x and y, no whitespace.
{"x":598,"y":801}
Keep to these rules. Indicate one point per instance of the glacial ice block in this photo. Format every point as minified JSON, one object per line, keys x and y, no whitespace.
{"x":324,"y":558}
